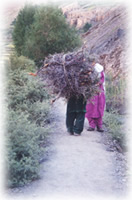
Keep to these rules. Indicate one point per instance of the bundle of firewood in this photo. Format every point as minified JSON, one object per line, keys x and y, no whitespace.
{"x":69,"y":74}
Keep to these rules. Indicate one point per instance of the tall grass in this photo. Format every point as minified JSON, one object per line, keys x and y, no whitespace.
{"x":114,"y":117}
{"x":115,"y":124}
{"x":115,"y":94}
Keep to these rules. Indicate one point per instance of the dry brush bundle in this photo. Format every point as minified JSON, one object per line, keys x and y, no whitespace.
{"x":69,"y":74}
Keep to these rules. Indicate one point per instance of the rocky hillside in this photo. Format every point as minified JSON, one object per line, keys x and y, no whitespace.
{"x":107,"y":36}
{"x":78,"y":15}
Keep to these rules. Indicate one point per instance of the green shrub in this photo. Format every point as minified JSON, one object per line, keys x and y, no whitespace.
{"x":115,"y":108}
{"x":24,"y":149}
{"x":86,"y":27}
{"x":21,"y":62}
{"x":27,"y":131}
{"x":115,"y":94}
{"x":23,"y":88}
{"x":37,"y":112}
{"x":116,"y":127}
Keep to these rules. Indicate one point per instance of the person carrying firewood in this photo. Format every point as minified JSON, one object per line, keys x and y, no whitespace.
{"x":70,"y":76}
{"x":95,"y":106}
{"x":75,"y":115}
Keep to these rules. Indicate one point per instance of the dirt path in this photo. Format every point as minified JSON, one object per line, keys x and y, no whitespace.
{"x":79,"y":167}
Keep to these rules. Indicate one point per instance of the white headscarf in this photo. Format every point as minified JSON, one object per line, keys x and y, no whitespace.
{"x":99,"y":68}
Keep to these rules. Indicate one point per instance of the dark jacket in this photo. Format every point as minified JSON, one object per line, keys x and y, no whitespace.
{"x":76,"y":104}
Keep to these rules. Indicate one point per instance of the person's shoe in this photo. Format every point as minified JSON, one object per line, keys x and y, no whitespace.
{"x":100,"y":130}
{"x":90,"y":129}
{"x":77,"y":134}
{"x":70,"y":133}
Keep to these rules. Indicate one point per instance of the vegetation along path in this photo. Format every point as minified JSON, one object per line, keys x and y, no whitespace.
{"x":78,"y":166}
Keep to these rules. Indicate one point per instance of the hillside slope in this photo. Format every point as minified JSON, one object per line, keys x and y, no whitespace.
{"x":108,"y":35}
{"x":108,"y":40}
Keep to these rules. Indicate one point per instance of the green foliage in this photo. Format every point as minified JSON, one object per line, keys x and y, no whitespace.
{"x":86,"y":27}
{"x":27,"y":109}
{"x":23,"y":23}
{"x":23,"y":88}
{"x":115,"y":94}
{"x":22,"y":63}
{"x":115,"y":108}
{"x":24,"y":149}
{"x":116,"y":127}
{"x":47,"y":33}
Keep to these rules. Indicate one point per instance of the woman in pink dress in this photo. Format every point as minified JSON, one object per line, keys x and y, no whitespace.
{"x":95,"y":107}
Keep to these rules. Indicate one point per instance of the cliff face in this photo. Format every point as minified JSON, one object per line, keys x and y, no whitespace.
{"x":107,"y":36}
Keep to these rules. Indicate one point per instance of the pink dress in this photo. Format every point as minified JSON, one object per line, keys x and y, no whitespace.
{"x":95,"y":108}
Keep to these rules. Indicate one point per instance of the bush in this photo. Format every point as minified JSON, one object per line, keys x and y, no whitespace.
{"x":115,"y":108}
{"x":24,"y":149}
{"x":27,"y":109}
{"x":23,"y":88}
{"x":86,"y":27}
{"x":115,"y":94}
{"x":21,"y":63}
{"x":116,"y":127}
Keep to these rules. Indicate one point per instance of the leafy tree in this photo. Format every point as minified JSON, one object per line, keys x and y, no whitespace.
{"x":48,"y":33}
{"x":22,"y":24}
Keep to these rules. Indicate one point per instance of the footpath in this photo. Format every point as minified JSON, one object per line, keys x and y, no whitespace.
{"x":77,"y":167}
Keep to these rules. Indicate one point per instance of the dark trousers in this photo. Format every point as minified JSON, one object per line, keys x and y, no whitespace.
{"x":75,"y":122}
